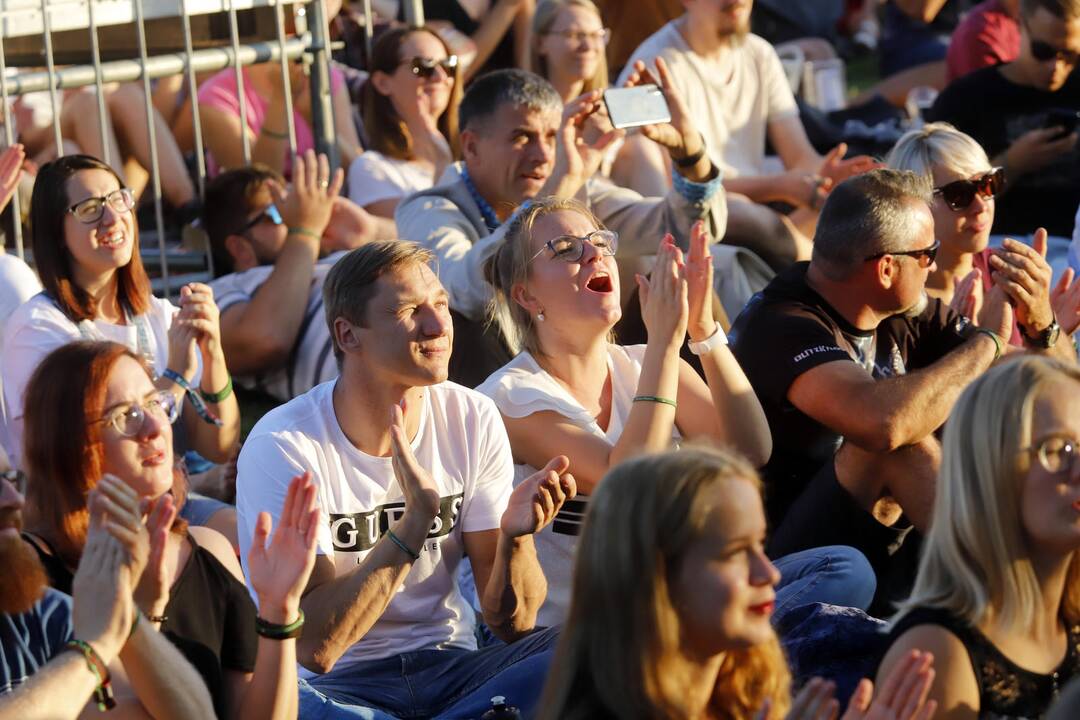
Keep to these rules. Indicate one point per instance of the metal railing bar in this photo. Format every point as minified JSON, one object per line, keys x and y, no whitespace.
{"x":322,"y":108}
{"x":234,"y":39}
{"x":51,"y":66}
{"x":95,"y":53}
{"x":286,"y":80}
{"x":414,"y":12}
{"x":155,"y":169}
{"x":193,"y":93}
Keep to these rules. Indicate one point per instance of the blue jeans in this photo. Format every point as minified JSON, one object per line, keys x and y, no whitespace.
{"x":833,"y":575}
{"x":433,"y":683}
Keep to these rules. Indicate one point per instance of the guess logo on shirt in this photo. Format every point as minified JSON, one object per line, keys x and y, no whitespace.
{"x":358,"y":532}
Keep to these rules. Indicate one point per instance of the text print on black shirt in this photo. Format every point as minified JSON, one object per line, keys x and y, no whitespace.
{"x":358,"y":532}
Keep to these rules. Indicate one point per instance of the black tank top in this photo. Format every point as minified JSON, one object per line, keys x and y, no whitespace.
{"x":1006,"y":690}
{"x":211,"y":618}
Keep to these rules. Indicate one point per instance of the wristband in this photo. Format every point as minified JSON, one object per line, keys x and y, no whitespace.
{"x":196,"y":400}
{"x":993,"y":336}
{"x":218,"y":396}
{"x":691,"y":160}
{"x":401,"y":544}
{"x":274,"y":631}
{"x":710,"y":343}
{"x":271,"y":134}
{"x":297,"y":230}
{"x":157,"y":618}
{"x":103,"y":694}
{"x":656,"y":399}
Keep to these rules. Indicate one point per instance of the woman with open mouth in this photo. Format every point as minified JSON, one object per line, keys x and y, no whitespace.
{"x":572,"y":390}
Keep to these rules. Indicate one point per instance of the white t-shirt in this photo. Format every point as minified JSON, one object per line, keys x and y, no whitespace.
{"x":18,"y":283}
{"x":461,"y":441}
{"x":311,"y":360}
{"x":38,"y":327}
{"x":731,"y":101}
{"x":374,"y":177}
{"x":521,"y":388}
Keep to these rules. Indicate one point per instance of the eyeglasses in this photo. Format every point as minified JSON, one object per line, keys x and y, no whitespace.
{"x":129,"y":420}
{"x":425,"y":68}
{"x":925,"y":256}
{"x":960,"y":194}
{"x":17,"y":478}
{"x":1056,"y":454}
{"x":1044,"y":52}
{"x":270,"y":213}
{"x":579,"y":37}
{"x":90,"y":210}
{"x":571,"y":248}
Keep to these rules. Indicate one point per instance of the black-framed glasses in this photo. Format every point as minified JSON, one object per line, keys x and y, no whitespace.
{"x":1045,"y":52}
{"x":18,"y":479}
{"x":424,"y":68}
{"x":925,"y":256}
{"x":571,"y":248}
{"x":960,"y":194}
{"x":270,"y":212}
{"x":91,"y":210}
{"x":597,"y":38}
{"x":128,"y":420}
{"x":1056,"y":453}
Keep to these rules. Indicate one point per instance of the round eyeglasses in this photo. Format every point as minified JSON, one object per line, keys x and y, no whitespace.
{"x":129,"y":420}
{"x":1056,"y":454}
{"x":91,"y":210}
{"x":571,"y":248}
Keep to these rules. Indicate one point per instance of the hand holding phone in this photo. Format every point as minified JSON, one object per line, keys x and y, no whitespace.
{"x":636,"y":106}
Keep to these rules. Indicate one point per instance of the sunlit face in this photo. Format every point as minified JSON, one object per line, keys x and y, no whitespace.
{"x":572,"y":48}
{"x":414,"y":96}
{"x":511,"y":154}
{"x":723,"y":590}
{"x":1054,"y":33}
{"x":144,"y":461}
{"x":106,"y":245}
{"x":1050,"y":501}
{"x":409,"y":333}
{"x":265,"y":238}
{"x":909,"y":287}
{"x":731,"y":17}
{"x":578,"y":298}
{"x":966,"y":230}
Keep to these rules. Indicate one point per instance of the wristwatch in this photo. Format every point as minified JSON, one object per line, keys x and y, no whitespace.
{"x":710,"y":343}
{"x":1046,"y":339}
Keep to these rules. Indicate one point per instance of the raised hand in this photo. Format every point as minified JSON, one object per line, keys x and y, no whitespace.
{"x":538,"y":498}
{"x":680,"y":136}
{"x":102,"y":611}
{"x":1065,"y":298}
{"x":183,"y":347}
{"x":699,"y":285}
{"x":968,"y":295}
{"x":308,"y":202}
{"x":903,"y":696}
{"x":1036,"y":149}
{"x":837,"y":169}
{"x":420,"y":491}
{"x":1023,"y":273}
{"x":577,"y":158}
{"x":350,"y":226}
{"x":11,"y":169}
{"x":116,"y":506}
{"x":153,"y":589}
{"x":663,"y":296}
{"x":200,"y":313}
{"x":279,"y":572}
{"x":997,"y":313}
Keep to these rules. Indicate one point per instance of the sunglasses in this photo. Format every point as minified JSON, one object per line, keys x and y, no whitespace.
{"x":129,"y":420}
{"x":571,"y":248}
{"x":425,"y":68}
{"x":960,"y":194}
{"x":270,"y":212}
{"x":925,"y":256}
{"x":17,"y":478}
{"x":1045,"y":52}
{"x":91,"y":210}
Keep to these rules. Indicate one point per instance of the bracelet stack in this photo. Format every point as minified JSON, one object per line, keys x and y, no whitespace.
{"x":196,"y":399}
{"x":274,"y":631}
{"x":103,"y":694}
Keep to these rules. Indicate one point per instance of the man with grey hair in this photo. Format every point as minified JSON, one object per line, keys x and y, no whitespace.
{"x":856,"y":368}
{"x":518,"y":142}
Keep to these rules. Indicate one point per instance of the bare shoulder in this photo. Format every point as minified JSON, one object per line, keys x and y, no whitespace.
{"x":955,"y":686}
{"x":219,"y":547}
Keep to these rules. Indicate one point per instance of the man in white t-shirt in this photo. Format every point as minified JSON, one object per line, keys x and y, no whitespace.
{"x":266,"y":241}
{"x":735,"y":88}
{"x":414,"y":474}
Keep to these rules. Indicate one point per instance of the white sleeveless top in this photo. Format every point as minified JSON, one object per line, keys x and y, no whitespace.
{"x":521,"y":388}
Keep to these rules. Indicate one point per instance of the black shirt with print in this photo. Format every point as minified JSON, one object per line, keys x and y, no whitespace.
{"x":788,"y":329}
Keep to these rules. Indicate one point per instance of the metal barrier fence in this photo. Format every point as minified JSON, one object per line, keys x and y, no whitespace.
{"x":24,"y":19}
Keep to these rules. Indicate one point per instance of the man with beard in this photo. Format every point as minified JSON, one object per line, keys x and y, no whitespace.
{"x":46,"y":670}
{"x":736,"y":90}
{"x":856,"y":369}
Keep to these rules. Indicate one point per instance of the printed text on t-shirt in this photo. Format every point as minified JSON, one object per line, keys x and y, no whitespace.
{"x":358,"y":532}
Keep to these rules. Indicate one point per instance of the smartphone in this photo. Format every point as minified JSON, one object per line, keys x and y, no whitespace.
{"x":1066,"y":120}
{"x":636,"y":106}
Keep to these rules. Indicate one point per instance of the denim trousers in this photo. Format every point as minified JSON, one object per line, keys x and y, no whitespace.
{"x":451,"y":683}
{"x":833,"y":575}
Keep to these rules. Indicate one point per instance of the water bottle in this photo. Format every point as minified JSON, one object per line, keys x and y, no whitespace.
{"x":501,"y":711}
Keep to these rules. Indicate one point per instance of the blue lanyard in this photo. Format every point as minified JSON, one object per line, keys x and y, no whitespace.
{"x":488,"y":212}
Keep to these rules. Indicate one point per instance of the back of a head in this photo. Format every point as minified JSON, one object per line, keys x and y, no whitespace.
{"x":976,"y":553}
{"x":516,"y":87}
{"x":865,"y":215}
{"x":1064,"y":9}
{"x":938,"y":145}
{"x":229,"y":201}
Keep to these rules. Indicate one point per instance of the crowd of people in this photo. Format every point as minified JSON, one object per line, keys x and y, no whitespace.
{"x":724,"y":416}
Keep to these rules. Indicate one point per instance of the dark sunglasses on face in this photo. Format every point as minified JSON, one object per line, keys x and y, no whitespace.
{"x":269,"y":213}
{"x":425,"y":68}
{"x":1045,"y":52}
{"x":925,"y":256}
{"x":17,"y":478}
{"x":960,"y":194}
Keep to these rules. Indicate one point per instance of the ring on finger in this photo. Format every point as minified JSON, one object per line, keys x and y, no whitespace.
{"x":323,"y":184}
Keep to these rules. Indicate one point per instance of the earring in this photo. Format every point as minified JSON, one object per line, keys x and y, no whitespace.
{"x":540,"y":316}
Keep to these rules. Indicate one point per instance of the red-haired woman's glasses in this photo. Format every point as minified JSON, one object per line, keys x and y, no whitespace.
{"x":960,"y":194}
{"x":128,"y":420}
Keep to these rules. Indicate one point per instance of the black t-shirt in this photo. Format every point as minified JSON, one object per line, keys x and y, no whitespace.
{"x":995,"y":111}
{"x":788,"y":329}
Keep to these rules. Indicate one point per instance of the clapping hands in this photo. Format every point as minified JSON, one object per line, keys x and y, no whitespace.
{"x":664,"y":296}
{"x":537,"y":500}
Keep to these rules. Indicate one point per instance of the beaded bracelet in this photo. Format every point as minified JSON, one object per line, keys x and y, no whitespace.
{"x":275,"y":631}
{"x":103,"y":694}
{"x":656,"y":399}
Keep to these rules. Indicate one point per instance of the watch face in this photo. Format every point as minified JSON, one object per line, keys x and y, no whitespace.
{"x":1052,"y":334}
